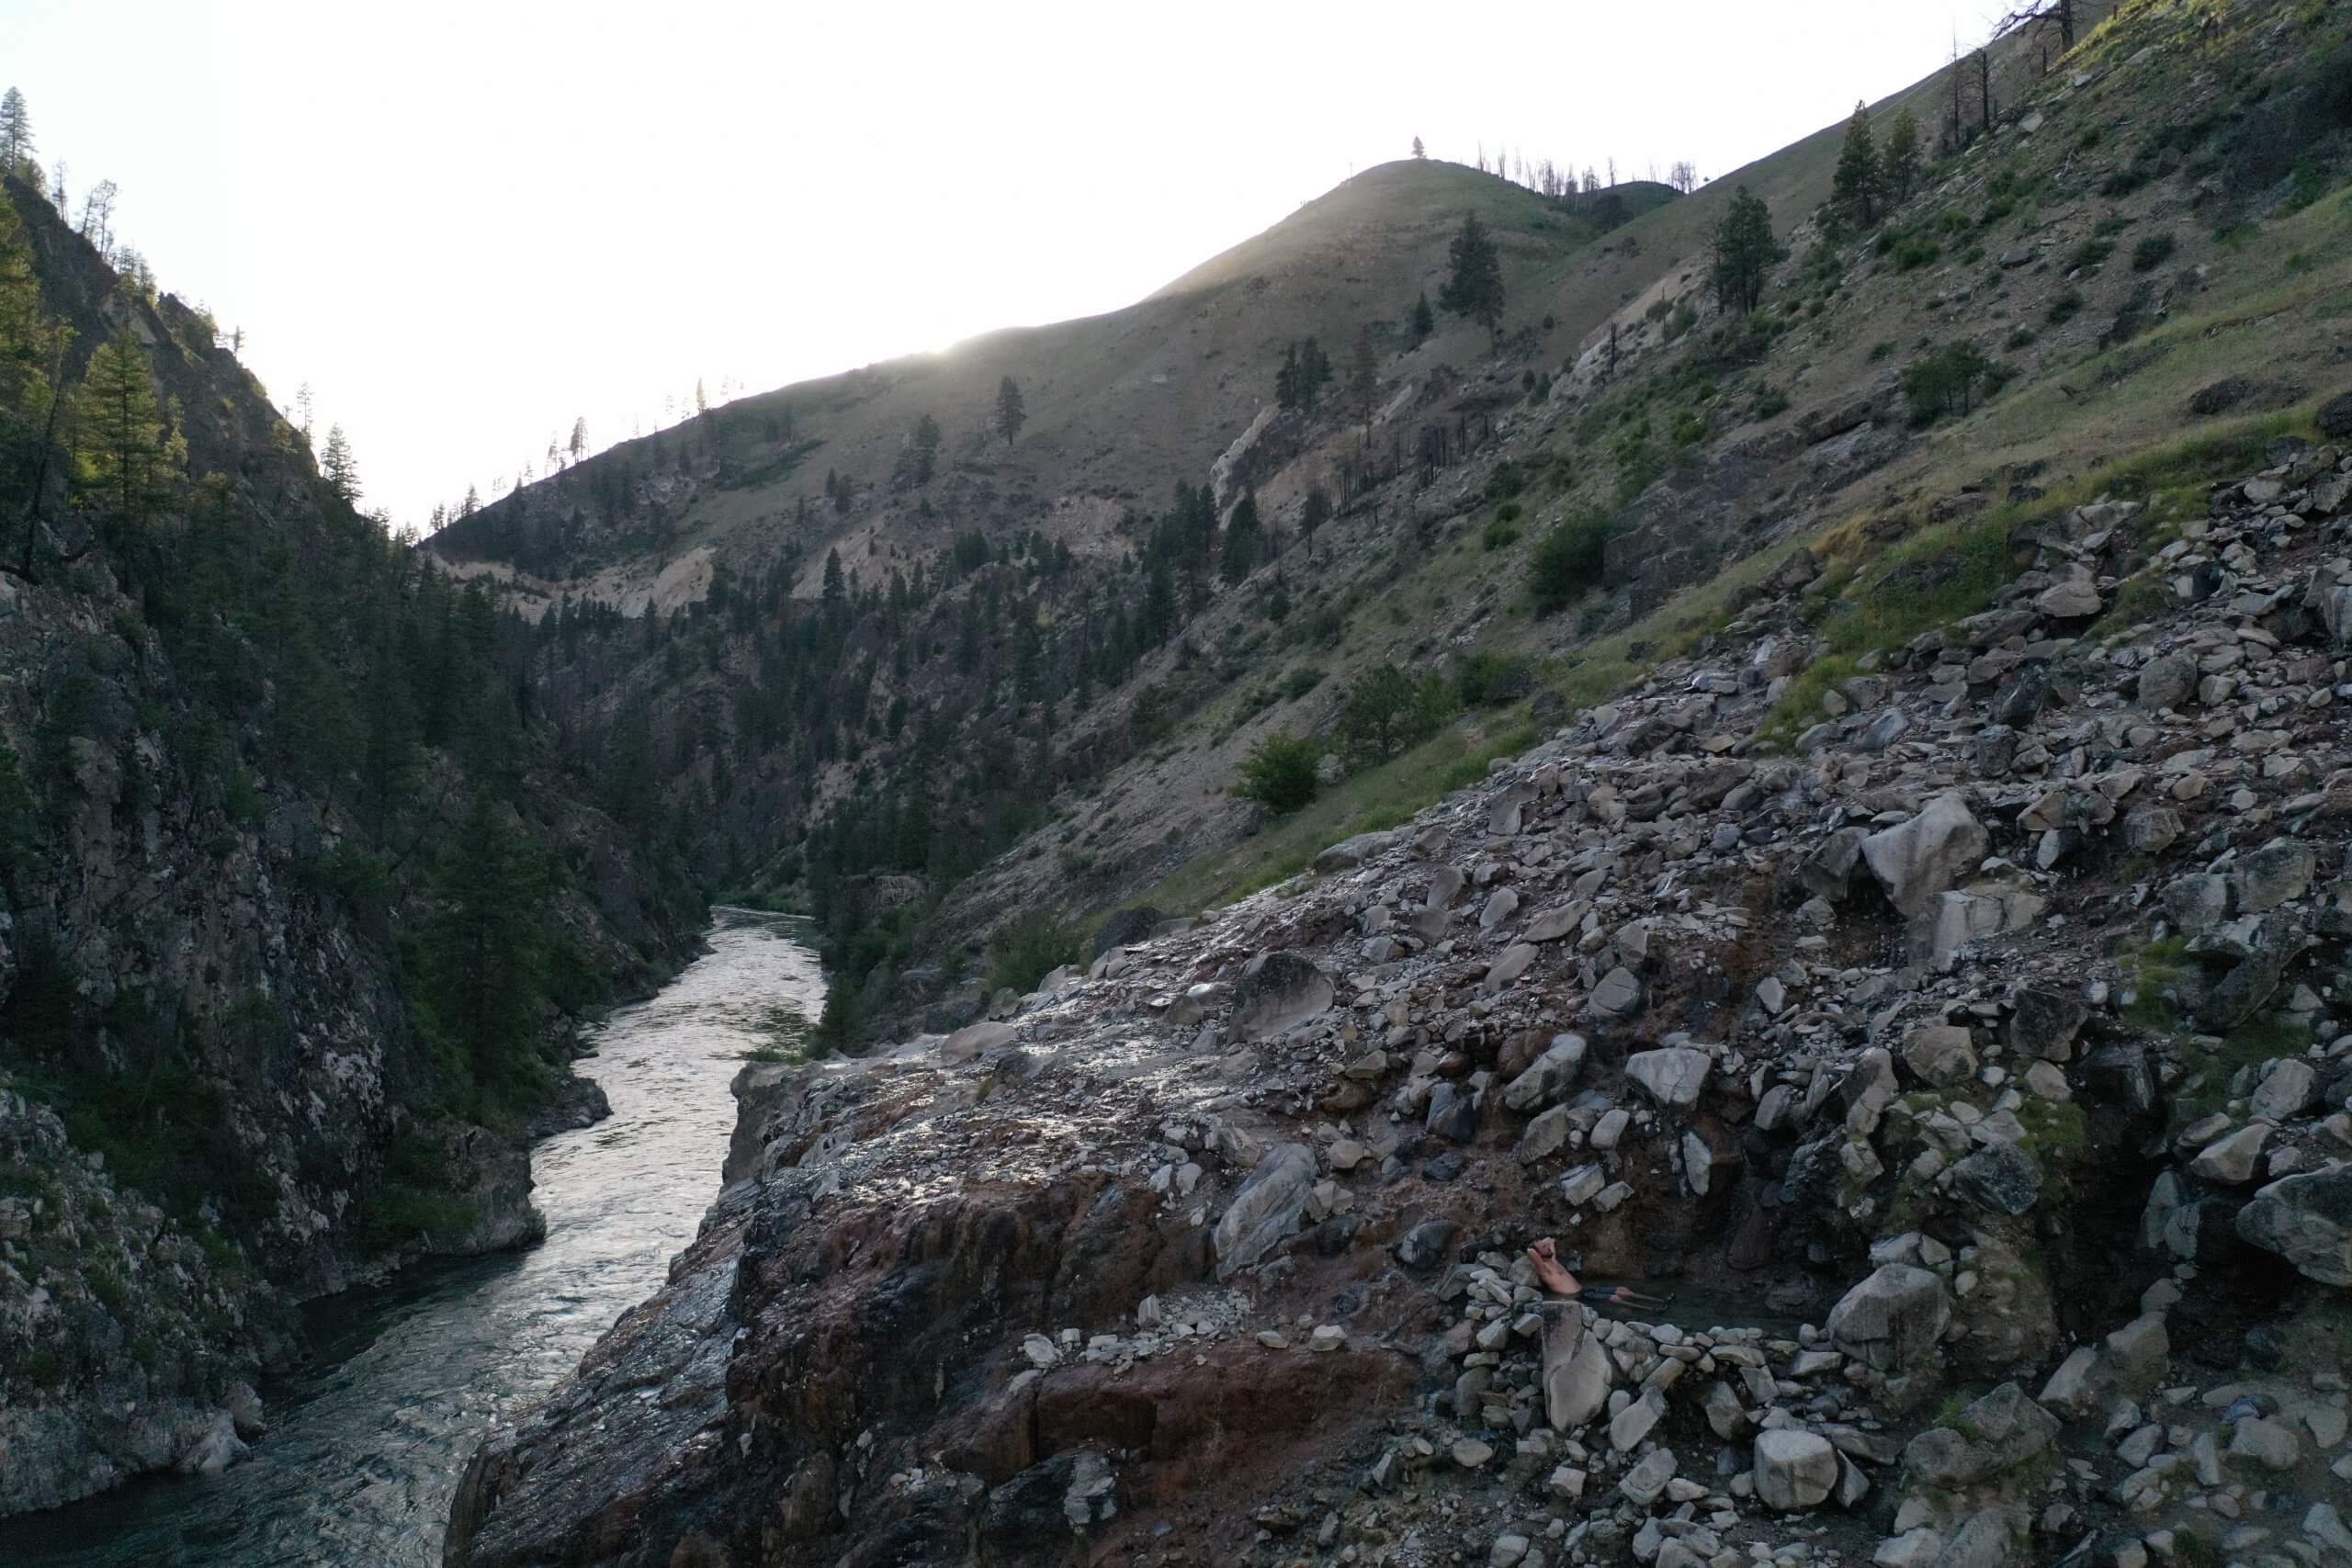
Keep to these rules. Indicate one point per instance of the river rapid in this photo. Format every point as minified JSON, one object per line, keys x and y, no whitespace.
{"x":365,"y":1449}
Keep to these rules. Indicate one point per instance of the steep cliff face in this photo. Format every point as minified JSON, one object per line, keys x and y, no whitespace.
{"x":1967,"y":1075}
{"x":229,"y":1078}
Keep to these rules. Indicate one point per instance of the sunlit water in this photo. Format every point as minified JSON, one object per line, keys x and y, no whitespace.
{"x":364,"y":1452}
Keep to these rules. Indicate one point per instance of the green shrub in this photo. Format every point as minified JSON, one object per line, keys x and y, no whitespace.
{"x":1768,"y":402}
{"x":1279,"y":773}
{"x":1945,"y":381}
{"x":1301,"y":681}
{"x":2152,"y":253}
{"x":1489,"y":679}
{"x":2089,"y":254}
{"x":1497,"y":533}
{"x":2065,"y":308}
{"x":1387,"y":711}
{"x":1029,"y":949}
{"x":1567,"y":560}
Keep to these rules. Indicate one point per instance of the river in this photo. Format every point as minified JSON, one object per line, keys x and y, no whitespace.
{"x":365,"y":1447}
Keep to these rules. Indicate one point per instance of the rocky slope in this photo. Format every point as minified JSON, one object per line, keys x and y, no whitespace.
{"x":1971,"y":1076}
{"x":217,"y":1096}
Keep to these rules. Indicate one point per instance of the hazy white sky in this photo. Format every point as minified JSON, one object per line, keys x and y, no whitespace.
{"x":464,"y":224}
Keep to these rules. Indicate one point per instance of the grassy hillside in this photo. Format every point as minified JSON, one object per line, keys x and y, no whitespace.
{"x":1035,"y":651}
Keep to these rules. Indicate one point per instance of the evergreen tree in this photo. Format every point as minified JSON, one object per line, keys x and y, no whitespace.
{"x":1242,"y":539}
{"x":119,"y":430}
{"x":1419,"y":151}
{"x":578,"y":445}
{"x":486,"y":945}
{"x":1317,"y":512}
{"x":339,"y":468}
{"x":1744,"y":251}
{"x":17,"y":147}
{"x":1286,"y":378}
{"x":918,"y":458}
{"x":1314,"y":374}
{"x":1363,"y":378}
{"x":1475,"y":289}
{"x":1423,"y":322}
{"x":1011,"y":415}
{"x":1857,"y":178}
{"x":1900,"y":170}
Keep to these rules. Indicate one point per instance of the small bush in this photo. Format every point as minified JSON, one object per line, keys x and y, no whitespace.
{"x":1030,"y":949}
{"x":1768,"y":403}
{"x":1489,"y":680}
{"x":2065,"y":308}
{"x":1567,"y":562}
{"x":2152,"y":253}
{"x":2019,"y":337}
{"x":1499,"y":534}
{"x":2089,"y":254}
{"x":1301,"y":681}
{"x":1279,"y":773}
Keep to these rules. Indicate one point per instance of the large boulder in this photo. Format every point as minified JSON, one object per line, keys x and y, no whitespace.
{"x":1548,"y":1077}
{"x":1919,"y":861}
{"x":1577,"y":1370}
{"x":1265,"y":1210}
{"x":1672,"y":1075}
{"x":1794,"y":1469}
{"x":1894,"y":1320}
{"x":1283,"y":991}
{"x":2307,"y":1220}
{"x":2000,"y":1177}
{"x":1995,"y":1433}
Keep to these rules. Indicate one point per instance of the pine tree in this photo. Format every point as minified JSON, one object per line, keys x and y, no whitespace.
{"x":1011,"y":415}
{"x":1419,"y":151}
{"x":1475,"y":289}
{"x":1900,"y":169}
{"x":1743,"y":252}
{"x":119,"y":430}
{"x":1286,"y":378}
{"x":1363,"y":378}
{"x":17,"y":147}
{"x":1317,"y":512}
{"x":486,"y":945}
{"x":1857,"y":178}
{"x":339,"y":468}
{"x":578,"y":445}
{"x":1314,"y":374}
{"x":1424,"y":321}
{"x":1242,"y":539}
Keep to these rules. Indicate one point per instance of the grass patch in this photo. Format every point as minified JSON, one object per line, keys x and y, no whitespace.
{"x":1366,"y":802}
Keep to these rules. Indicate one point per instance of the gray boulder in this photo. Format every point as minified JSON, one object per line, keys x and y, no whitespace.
{"x":1794,"y":1469}
{"x":1672,"y":1075}
{"x":2167,"y":681}
{"x":2000,"y":1177}
{"x":1266,"y":1209}
{"x":1548,"y":1077}
{"x":1576,"y":1369}
{"x":1617,"y":999}
{"x":1283,"y":991}
{"x":2307,"y":1220}
{"x":1918,"y":862}
{"x":1894,"y":1320}
{"x":1995,"y":1433}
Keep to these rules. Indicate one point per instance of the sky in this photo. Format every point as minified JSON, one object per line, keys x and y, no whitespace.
{"x":466,"y":225}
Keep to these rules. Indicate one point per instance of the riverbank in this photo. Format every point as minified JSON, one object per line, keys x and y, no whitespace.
{"x":362,"y":1452}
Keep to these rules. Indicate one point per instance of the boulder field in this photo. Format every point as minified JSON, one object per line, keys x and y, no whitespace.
{"x":1966,"y":1075}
